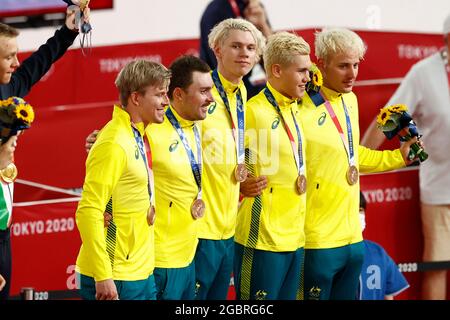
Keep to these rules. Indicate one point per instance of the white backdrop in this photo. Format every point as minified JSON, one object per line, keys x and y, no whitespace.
{"x":150,"y":20}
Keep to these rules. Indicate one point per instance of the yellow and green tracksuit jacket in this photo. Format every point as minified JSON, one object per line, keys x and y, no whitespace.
{"x":220,"y":189}
{"x":332,"y":204}
{"x":115,"y":167}
{"x":175,"y":190}
{"x":273,"y":221}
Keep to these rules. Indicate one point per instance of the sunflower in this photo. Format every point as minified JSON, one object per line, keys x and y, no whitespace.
{"x":24,"y":112}
{"x":6,"y":102}
{"x":383,"y":117}
{"x":317,"y":78}
{"x":398,"y":108}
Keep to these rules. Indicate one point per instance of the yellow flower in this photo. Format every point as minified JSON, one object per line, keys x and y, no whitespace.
{"x":317,"y":78}
{"x":397,"y":108}
{"x":24,"y":112}
{"x":6,"y":102}
{"x":383,"y":116}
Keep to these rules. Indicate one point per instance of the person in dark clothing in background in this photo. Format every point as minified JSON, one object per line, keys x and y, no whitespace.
{"x":17,"y":80}
{"x":219,"y":10}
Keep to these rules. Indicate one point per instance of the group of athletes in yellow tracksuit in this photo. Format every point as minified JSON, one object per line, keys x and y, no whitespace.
{"x":293,"y":155}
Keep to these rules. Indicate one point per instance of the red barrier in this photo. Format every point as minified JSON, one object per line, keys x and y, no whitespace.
{"x":45,"y":241}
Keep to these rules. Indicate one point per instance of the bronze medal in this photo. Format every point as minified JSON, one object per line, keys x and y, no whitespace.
{"x":198,"y":209}
{"x":151,"y":215}
{"x":352,"y":175}
{"x":240,"y":173}
{"x":9,"y":174}
{"x":301,"y":184}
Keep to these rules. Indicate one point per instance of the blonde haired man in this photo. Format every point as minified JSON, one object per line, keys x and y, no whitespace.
{"x":237,"y":45}
{"x":334,"y":247}
{"x":219,"y":10}
{"x":119,"y":263}
{"x":269,"y":229}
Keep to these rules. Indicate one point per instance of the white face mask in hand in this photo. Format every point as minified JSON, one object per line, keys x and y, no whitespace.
{"x":362,"y":219}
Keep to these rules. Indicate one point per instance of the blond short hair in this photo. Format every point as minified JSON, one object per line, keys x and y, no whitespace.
{"x":281,"y":49}
{"x":338,"y":40}
{"x":221,"y":31}
{"x":137,"y":75}
{"x":8,"y":31}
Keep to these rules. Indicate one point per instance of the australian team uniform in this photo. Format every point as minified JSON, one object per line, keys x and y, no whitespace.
{"x":176,"y":189}
{"x":117,"y":169}
{"x":334,"y":250}
{"x":214,"y":256}
{"x":270,"y":227}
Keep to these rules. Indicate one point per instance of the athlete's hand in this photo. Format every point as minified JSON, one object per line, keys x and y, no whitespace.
{"x":406,"y":147}
{"x":107,"y":219}
{"x":106,"y":290}
{"x":255,"y":13}
{"x":91,"y":138}
{"x":253,"y":186}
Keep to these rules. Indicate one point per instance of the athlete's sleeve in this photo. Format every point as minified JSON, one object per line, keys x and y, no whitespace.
{"x":104,"y":167}
{"x":378,"y":161}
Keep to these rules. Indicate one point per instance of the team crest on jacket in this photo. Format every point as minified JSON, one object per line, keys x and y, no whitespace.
{"x":322,"y":118}
{"x":136,"y":152}
{"x":173,"y":146}
{"x":275,"y":123}
{"x":314,"y":293}
{"x":260,"y":295}
{"x":212,"y":107}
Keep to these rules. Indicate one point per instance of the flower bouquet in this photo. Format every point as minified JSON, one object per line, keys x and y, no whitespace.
{"x":395,"y":121}
{"x":15,"y":115}
{"x":316,"y":79}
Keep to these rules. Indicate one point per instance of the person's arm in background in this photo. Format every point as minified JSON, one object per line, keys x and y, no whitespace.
{"x":407,"y":93}
{"x":373,"y":137}
{"x":256,"y":14}
{"x":36,"y":66}
{"x":215,"y":12}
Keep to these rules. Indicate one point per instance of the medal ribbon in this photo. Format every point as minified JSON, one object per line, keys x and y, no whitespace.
{"x":240,"y":154}
{"x":348,"y":146}
{"x":235,"y":8}
{"x":298,"y":154}
{"x":146,"y":155}
{"x":196,"y":166}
